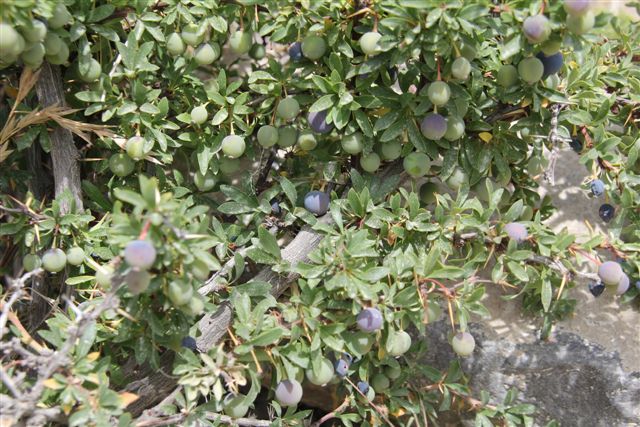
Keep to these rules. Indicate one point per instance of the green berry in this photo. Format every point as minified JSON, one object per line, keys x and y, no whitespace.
{"x":287,"y":136}
{"x":267,"y":136}
{"x":314,"y":47}
{"x":90,"y":72}
{"x":369,"y":43}
{"x":352,"y":144}
{"x":121,"y":165}
{"x":288,"y":108}
{"x":175,"y":44}
{"x":439,"y":93}
{"x":179,"y":293}
{"x":36,"y":32}
{"x":137,"y":147}
{"x":240,"y":42}
{"x":507,"y":76}
{"x":60,"y":17}
{"x":31,"y":261}
{"x":199,"y":114}
{"x":207,"y":53}
{"x":103,"y":276}
{"x":75,"y":255}
{"x":192,"y":35}
{"x":233,"y":146}
{"x":54,"y":260}
{"x":205,"y":182}
{"x":370,"y":162}
{"x":531,"y":70}
{"x":417,"y":164}
{"x":307,"y":141}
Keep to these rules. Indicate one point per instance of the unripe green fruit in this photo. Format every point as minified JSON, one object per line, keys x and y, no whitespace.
{"x":428,"y":193}
{"x":33,"y":56}
{"x":380,"y":382}
{"x":361,"y":342}
{"x":417,"y":164}
{"x":307,"y":141}
{"x":468,"y":51}
{"x":175,"y":44}
{"x":393,"y":372}
{"x":156,"y":219}
{"x":390,"y":150}
{"x":288,"y":108}
{"x":457,"y":178}
{"x":551,"y":47}
{"x":204,"y":182}
{"x":233,"y":146}
{"x":352,"y":144}
{"x":400,"y":343}
{"x":200,"y":270}
{"x":52,"y":44}
{"x":121,"y":165}
{"x":136,"y":147}
{"x":199,"y":114}
{"x":313,"y":47}
{"x":240,"y":42}
{"x":287,"y":136}
{"x":461,"y":68}
{"x":137,"y":281}
{"x":75,"y":255}
{"x":258,"y":51}
{"x":103,"y":276}
{"x":531,"y":70}
{"x":507,"y":76}
{"x":267,"y":136}
{"x":370,"y":162}
{"x":194,"y":307}
{"x":228,"y":166}
{"x":234,"y":407}
{"x":369,"y":43}
{"x":179,"y":293}
{"x":92,"y":72}
{"x":9,"y":41}
{"x":463,"y":343}
{"x":581,"y":24}
{"x":536,"y":28}
{"x":207,"y":53}
{"x":54,"y":260}
{"x":31,"y":261}
{"x":60,"y":18}
{"x":322,"y":375}
{"x":36,"y":33}
{"x":455,"y":128}
{"x":192,"y":35}
{"x":439,"y":93}
{"x":61,"y":57}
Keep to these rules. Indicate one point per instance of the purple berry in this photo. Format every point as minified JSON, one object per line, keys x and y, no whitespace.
{"x":342,"y":367}
{"x":140,"y":254}
{"x":317,"y":202}
{"x":551,"y":63}
{"x":289,"y":392}
{"x":433,"y":126}
{"x":190,"y":343}
{"x":576,"y":145}
{"x":610,"y":272}
{"x":606,"y":212}
{"x":363,"y":386}
{"x":536,"y":28}
{"x":597,"y":187}
{"x":623,"y":285}
{"x":638,"y":284}
{"x":295,"y":51}
{"x":516,"y":231}
{"x":275,"y":207}
{"x":577,"y":7}
{"x":369,"y":320}
{"x":318,"y":122}
{"x":596,"y":288}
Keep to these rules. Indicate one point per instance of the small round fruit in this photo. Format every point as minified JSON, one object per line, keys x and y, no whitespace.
{"x":288,"y":392}
{"x":531,"y":70}
{"x":342,"y":367}
{"x":516,"y":231}
{"x":199,"y":114}
{"x":240,"y":42}
{"x":137,"y":281}
{"x":318,"y":122}
{"x":434,"y":311}
{"x":434,"y":126}
{"x":623,"y":284}
{"x":287,"y":136}
{"x":75,"y":255}
{"x":258,"y":51}
{"x":369,"y":43}
{"x":313,"y":47}
{"x":136,"y":147}
{"x":551,"y":47}
{"x":121,"y":165}
{"x":307,"y":141}
{"x":91,"y":73}
{"x":36,"y":32}
{"x":192,"y":35}
{"x":233,"y":146}
{"x":428,"y":192}
{"x":581,"y":24}
{"x":179,"y":293}
{"x":234,"y":406}
{"x":380,"y":382}
{"x":393,"y":372}
{"x":295,"y":51}
{"x":288,"y":108}
{"x":463,"y":343}
{"x":369,"y":320}
{"x":400,"y":343}
{"x":275,"y":207}
{"x":322,"y":375}
{"x":190,"y":343}
{"x":140,"y":254}
{"x":606,"y":212}
{"x":361,"y":342}
{"x":267,"y":136}
{"x":461,"y":68}
{"x":363,"y":386}
{"x":34,"y":55}
{"x":417,"y":164}
{"x":60,"y":17}
{"x":61,"y":57}
{"x":194,"y":307}
{"x":577,"y":7}
{"x":551,"y":63}
{"x":597,"y":187}
{"x":207,"y":53}
{"x":457,"y":178}
{"x":536,"y":28}
{"x":439,"y":93}
{"x":468,"y":51}
{"x":390,"y":150}
{"x":610,"y":272}
{"x":52,"y":43}
{"x":228,"y":166}
{"x":455,"y":128}
{"x":54,"y":260}
{"x":204,"y":182}
{"x":352,"y":144}
{"x":507,"y":76}
{"x":31,"y":261}
{"x":175,"y":44}
{"x":596,"y":288}
{"x":317,"y":202}
{"x":370,"y":162}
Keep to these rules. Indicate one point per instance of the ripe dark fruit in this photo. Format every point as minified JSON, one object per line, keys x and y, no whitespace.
{"x":175,"y":44}
{"x":288,"y":108}
{"x":577,"y":7}
{"x":91,"y":72}
{"x":137,"y":280}
{"x":233,"y":146}
{"x":606,"y":212}
{"x":551,"y":63}
{"x":75,"y":255}
{"x":531,"y":70}
{"x":581,"y":24}
{"x":370,"y":162}
{"x":434,"y":126}
{"x":31,"y":261}
{"x":363,"y":386}
{"x":179,"y":293}
{"x":189,"y":342}
{"x":369,"y":43}
{"x":288,"y":392}
{"x":199,"y":114}
{"x":54,"y":260}
{"x":137,"y":147}
{"x":623,"y":284}
{"x":596,"y":288}
{"x":439,"y":93}
{"x":516,"y":231}
{"x":463,"y":343}
{"x":307,"y":140}
{"x":507,"y":76}
{"x":390,"y":150}
{"x":610,"y":272}
{"x":318,"y":122}
{"x":576,"y":144}
{"x":267,"y":136}
{"x":314,"y":47}
{"x":380,"y":382}
{"x":121,"y":165}
{"x":240,"y":42}
{"x":207,"y":53}
{"x":352,"y":144}
{"x":455,"y":128}
{"x":369,"y":320}
{"x":234,"y":406}
{"x":597,"y":187}
{"x":536,"y":28}
{"x":322,"y":375}
{"x":205,"y":182}
{"x":417,"y":164}
{"x":140,"y":254}
{"x":400,"y":343}
{"x":275,"y":207}
{"x":287,"y":136}
{"x":342,"y":367}
{"x":295,"y":51}
{"x":461,"y":68}
{"x":317,"y":202}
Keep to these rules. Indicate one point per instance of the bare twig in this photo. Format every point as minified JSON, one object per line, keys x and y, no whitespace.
{"x":211,"y":416}
{"x":550,"y":172}
{"x":331,"y":415}
{"x":16,"y":290}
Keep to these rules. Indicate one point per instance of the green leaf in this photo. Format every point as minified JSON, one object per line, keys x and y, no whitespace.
{"x":267,"y":338}
{"x":130,"y":197}
{"x":289,"y":190}
{"x":269,"y":242}
{"x":545,"y":294}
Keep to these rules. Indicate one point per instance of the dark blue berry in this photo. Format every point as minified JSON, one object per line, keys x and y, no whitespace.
{"x":363,"y":386}
{"x":295,"y":51}
{"x":596,"y":288}
{"x":190,"y":343}
{"x":638,"y":284}
{"x":606,"y":212}
{"x":348,"y":358}
{"x":551,"y":63}
{"x":576,"y":144}
{"x":597,"y":187}
{"x":275,"y":207}
{"x":342,"y":367}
